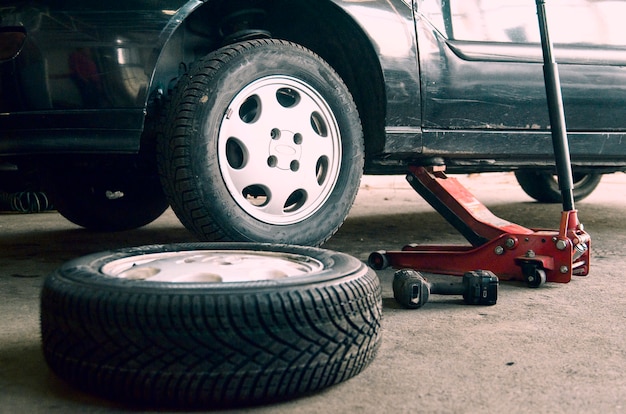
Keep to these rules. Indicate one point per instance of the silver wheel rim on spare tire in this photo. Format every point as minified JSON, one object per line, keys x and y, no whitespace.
{"x":279,"y":150}
{"x":212,"y":266}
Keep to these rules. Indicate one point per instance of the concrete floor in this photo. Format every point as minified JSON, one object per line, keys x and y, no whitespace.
{"x":559,"y":348}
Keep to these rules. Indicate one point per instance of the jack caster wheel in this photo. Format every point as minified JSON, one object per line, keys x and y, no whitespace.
{"x":534,"y":276}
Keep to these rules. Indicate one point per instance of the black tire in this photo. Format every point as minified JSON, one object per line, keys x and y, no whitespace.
{"x":210,"y":344}
{"x":261,"y":142}
{"x":543,"y":185}
{"x":107,"y":200}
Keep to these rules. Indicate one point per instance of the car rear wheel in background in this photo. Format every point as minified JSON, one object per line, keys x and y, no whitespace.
{"x":210,"y":324}
{"x":106,"y":199}
{"x":543,"y":185}
{"x":261,"y":141}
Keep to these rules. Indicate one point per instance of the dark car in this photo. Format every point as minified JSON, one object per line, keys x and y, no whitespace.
{"x":255,"y":119}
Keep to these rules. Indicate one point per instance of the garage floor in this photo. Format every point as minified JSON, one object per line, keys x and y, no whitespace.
{"x":559,"y":348}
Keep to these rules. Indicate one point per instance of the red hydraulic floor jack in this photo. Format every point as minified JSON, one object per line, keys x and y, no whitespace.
{"x":510,"y":251}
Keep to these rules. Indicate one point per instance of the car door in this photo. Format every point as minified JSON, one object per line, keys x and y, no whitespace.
{"x":82,"y":54}
{"x":481,"y":68}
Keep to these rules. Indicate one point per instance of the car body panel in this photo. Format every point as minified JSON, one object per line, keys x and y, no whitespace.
{"x":87,"y":56}
{"x":496,"y":75}
{"x":390,"y":27}
{"x":483,"y":88}
{"x":461,"y":80}
{"x":82,"y":56}
{"x":81,"y":81}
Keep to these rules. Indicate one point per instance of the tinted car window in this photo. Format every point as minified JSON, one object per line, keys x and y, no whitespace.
{"x":515,"y":21}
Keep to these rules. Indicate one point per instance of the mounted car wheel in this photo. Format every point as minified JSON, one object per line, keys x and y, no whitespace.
{"x":544,"y":187}
{"x":107,"y":200}
{"x":261,"y":142}
{"x":210,"y":325}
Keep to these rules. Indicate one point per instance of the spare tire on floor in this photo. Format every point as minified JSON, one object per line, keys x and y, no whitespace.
{"x":210,"y":324}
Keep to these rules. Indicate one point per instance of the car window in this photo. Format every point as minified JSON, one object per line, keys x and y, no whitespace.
{"x":515,"y":21}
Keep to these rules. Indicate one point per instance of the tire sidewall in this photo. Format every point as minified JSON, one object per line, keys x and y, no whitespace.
{"x":262,"y":60}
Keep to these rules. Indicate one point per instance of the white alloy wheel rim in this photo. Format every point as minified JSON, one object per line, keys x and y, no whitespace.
{"x":279,"y":150}
{"x":212,"y":266}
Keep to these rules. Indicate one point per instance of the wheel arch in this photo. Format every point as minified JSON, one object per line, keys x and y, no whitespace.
{"x":322,"y":26}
